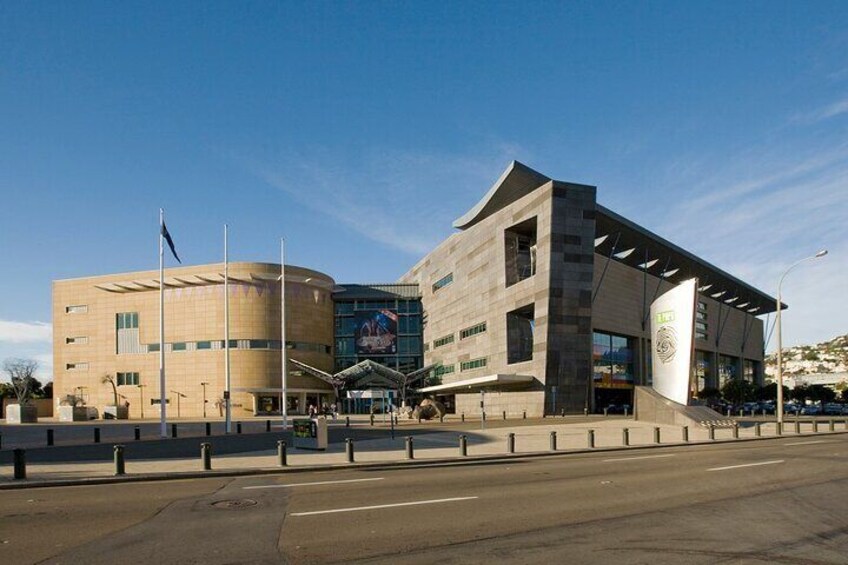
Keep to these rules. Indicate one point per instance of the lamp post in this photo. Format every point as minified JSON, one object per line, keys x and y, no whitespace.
{"x":821,"y":253}
{"x":204,"y":384}
{"x":179,"y":395}
{"x":141,"y":397}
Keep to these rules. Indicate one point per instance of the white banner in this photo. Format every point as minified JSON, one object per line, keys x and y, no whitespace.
{"x":672,"y":345}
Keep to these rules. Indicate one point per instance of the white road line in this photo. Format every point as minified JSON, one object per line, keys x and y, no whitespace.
{"x":315,"y":483}
{"x":379,"y":506}
{"x":746,"y":465}
{"x":808,"y":442}
{"x":639,"y":457}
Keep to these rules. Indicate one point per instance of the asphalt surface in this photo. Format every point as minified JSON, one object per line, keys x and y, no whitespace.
{"x":780,"y":501}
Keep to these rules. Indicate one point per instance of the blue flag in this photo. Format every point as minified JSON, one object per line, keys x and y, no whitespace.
{"x":167,"y":236}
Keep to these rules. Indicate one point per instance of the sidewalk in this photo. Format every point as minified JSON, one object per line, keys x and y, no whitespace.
{"x":428,"y":446}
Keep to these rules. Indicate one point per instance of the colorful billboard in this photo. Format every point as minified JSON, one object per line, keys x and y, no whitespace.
{"x":376,"y":332}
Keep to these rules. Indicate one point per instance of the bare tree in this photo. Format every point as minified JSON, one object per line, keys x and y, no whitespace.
{"x":22,"y":376}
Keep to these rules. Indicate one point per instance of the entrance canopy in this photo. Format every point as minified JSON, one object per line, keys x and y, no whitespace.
{"x":477,"y":384}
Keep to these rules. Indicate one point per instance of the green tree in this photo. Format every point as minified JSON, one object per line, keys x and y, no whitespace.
{"x":737,"y":391}
{"x":769,"y":392}
{"x":820,"y":393}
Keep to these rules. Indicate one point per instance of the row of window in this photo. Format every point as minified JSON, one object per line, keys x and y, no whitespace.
{"x":400,"y":306}
{"x":78,"y":340}
{"x":445,"y":369}
{"x":127,"y":320}
{"x":130,"y":379}
{"x":473,"y":330}
{"x":473,"y":364}
{"x":76,"y":309}
{"x":218,"y":344}
{"x":442,"y":341}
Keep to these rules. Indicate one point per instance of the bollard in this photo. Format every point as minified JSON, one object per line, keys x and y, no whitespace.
{"x":590,"y":439}
{"x":685,"y":434}
{"x":208,"y":428}
{"x":484,"y":416}
{"x":585,"y":411}
{"x":119,"y":459}
{"x":606,"y":411}
{"x":49,"y":437}
{"x":419,"y":418}
{"x":657,"y":435}
{"x":562,"y":412}
{"x":137,"y":433}
{"x":463,"y":446}
{"x":845,"y":424}
{"x":173,"y":430}
{"x":510,"y":443}
{"x":815,"y":426}
{"x":20,"y":463}
{"x":524,"y":417}
{"x":96,"y":435}
{"x":504,"y":414}
{"x":441,"y":419}
{"x":712,"y":431}
{"x":735,"y":430}
{"x":625,"y":412}
{"x":282,"y":456}
{"x":349,"y":449}
{"x":463,"y":417}
{"x":267,"y":425}
{"x":758,"y":432}
{"x":625,"y":436}
{"x":206,"y":456}
{"x":797,"y":427}
{"x":778,"y":428}
{"x":372,"y":418}
{"x":831,"y":426}
{"x":741,"y":412}
{"x":238,"y":427}
{"x":764,"y":412}
{"x":410,"y":452}
{"x":553,"y":441}
{"x":347,"y":421}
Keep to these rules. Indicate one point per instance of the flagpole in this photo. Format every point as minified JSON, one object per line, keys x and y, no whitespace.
{"x":228,"y":427}
{"x":163,"y":426}
{"x":284,"y":354}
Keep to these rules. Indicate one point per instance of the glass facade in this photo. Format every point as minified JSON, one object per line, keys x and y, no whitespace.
{"x":409,"y":356}
{"x":612,"y":358}
{"x":727,"y":369}
{"x":520,"y":327}
{"x":703,"y":369}
{"x":749,"y":370}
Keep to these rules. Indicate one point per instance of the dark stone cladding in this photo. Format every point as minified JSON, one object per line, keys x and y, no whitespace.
{"x":569,"y":361}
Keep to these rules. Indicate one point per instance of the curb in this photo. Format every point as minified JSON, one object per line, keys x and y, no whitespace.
{"x":468,"y":460}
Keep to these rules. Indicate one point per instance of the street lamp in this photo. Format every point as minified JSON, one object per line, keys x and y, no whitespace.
{"x":821,"y":253}
{"x":141,"y":397}
{"x":179,"y":395}
{"x":204,"y":385}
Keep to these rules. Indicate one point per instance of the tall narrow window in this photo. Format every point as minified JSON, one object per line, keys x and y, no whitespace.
{"x":520,"y":327}
{"x":520,"y":248}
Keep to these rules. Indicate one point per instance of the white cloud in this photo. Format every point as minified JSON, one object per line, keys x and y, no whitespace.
{"x":25,"y":332}
{"x":824,"y":113}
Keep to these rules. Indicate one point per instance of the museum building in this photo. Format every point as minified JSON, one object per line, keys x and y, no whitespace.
{"x":539,"y":303}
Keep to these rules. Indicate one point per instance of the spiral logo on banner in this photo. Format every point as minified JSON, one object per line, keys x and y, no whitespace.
{"x":666,"y":343}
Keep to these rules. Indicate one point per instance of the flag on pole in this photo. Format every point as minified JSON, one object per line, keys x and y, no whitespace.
{"x":170,"y":241}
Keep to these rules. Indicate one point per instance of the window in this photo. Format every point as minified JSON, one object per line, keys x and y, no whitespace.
{"x":472,"y":364}
{"x":703,"y":369}
{"x":749,"y":370}
{"x":443,"y":282}
{"x":700,"y":335}
{"x":612,"y":357}
{"x":445,"y":369}
{"x":701,"y":326}
{"x":153,"y":348}
{"x":76,"y":367}
{"x":700,"y":315}
{"x":702,"y":306}
{"x":259,"y":344}
{"x":520,"y":326}
{"x":442,"y":341}
{"x":727,"y":369}
{"x":128,"y":379}
{"x":77,"y":309}
{"x":204,"y":345}
{"x":520,"y":247}
{"x":473,"y":330}
{"x":127,"y":320}
{"x":179,"y":346}
{"x":76,"y":340}
{"x":408,"y":345}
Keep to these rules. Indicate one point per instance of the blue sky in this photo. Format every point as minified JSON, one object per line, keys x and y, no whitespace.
{"x":361,"y":130}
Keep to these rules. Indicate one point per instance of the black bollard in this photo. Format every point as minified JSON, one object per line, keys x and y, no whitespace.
{"x":173,"y":430}
{"x":463,"y":446}
{"x":441,"y":418}
{"x":49,"y":437}
{"x":119,"y":459}
{"x":347,"y":421}
{"x":349,"y":450}
{"x":553,"y":441}
{"x":797,"y":427}
{"x":410,"y":453}
{"x":657,"y":435}
{"x":815,"y":426}
{"x":463,"y":417}
{"x":282,"y":458}
{"x":712,"y":431}
{"x":484,"y":416}
{"x":735,"y":430}
{"x":590,"y":439}
{"x":625,"y":437}
{"x":524,"y":415}
{"x":267,"y":425}
{"x":758,"y":430}
{"x":684,"y":433}
{"x":206,"y":456}
{"x":510,"y":443}
{"x":504,"y":414}
{"x":96,"y":435}
{"x":562,"y":412}
{"x":208,"y":428}
{"x":778,"y":428}
{"x":238,"y":427}
{"x":137,"y":433}
{"x":831,"y":426}
{"x":372,"y":418}
{"x":20,"y":463}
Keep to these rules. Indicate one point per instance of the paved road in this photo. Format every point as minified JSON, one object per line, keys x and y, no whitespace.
{"x":781,"y":501}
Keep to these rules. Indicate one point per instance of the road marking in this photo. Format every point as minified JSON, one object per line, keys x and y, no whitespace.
{"x":808,"y":442}
{"x":640,"y":457}
{"x":315,"y":483}
{"x":379,"y":506}
{"x":746,"y":465}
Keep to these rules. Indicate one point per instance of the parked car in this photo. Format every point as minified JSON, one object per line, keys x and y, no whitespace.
{"x":833,"y":409}
{"x":811,"y":410}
